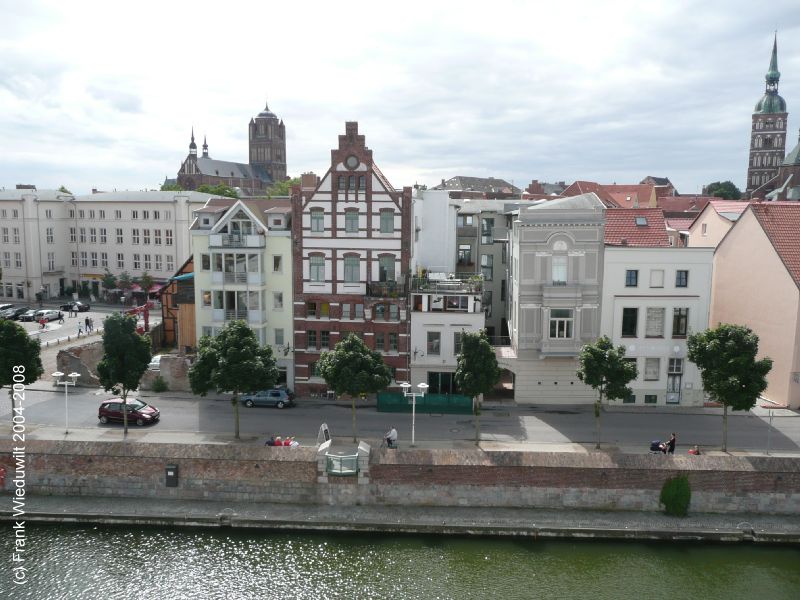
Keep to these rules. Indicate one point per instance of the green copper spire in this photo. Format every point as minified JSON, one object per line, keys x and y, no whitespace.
{"x":771,"y":102}
{"x":773,"y":75}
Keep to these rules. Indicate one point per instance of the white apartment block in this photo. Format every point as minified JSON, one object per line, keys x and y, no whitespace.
{"x":243,"y":270}
{"x":653,"y":298}
{"x":51,"y":241}
{"x":442,"y":310}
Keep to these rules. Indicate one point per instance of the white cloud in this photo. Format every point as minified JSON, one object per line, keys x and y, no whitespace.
{"x":95,"y":95}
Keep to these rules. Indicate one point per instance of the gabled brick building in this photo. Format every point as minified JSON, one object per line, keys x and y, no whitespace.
{"x":351,"y":234}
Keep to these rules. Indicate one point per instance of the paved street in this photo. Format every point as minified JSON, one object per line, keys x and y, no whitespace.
{"x":506,"y":423}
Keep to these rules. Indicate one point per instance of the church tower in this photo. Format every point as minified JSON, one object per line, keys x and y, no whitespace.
{"x":268,"y":145}
{"x":768,"y":134}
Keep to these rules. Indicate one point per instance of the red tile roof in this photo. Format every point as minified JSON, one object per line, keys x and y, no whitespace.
{"x":673,"y":204}
{"x":584,"y":187}
{"x":729,"y":206}
{"x":622,"y":230}
{"x":781,"y":223}
{"x":680,"y":223}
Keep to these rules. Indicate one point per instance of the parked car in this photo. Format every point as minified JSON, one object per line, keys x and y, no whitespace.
{"x":5,"y":307}
{"x":155,"y":363}
{"x":14,"y":313}
{"x":139,"y":412}
{"x":79,"y":306}
{"x":278,"y":398}
{"x":28,"y":315}
{"x":47,"y":314}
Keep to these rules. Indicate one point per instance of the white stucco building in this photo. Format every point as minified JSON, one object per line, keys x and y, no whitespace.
{"x":653,"y":297}
{"x":51,"y":241}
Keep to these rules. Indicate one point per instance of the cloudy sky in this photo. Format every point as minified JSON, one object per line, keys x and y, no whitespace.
{"x":96,"y":95}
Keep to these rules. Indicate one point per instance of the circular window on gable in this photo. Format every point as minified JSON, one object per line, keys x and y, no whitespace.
{"x":351,"y":162}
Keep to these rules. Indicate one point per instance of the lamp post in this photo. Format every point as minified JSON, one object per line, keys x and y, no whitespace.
{"x":413,"y":395}
{"x":66,"y":383}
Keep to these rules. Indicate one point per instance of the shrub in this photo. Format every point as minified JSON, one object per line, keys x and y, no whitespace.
{"x":676,"y":496}
{"x":159,"y":385}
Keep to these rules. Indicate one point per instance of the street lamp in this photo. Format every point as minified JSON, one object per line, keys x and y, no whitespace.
{"x":413,"y":395}
{"x":66,"y":383}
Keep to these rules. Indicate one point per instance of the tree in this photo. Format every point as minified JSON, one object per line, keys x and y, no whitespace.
{"x":218,"y":190}
{"x":731,"y":375}
{"x":282,"y":188}
{"x":20,"y":360}
{"x":63,"y":189}
{"x":605,"y":369}
{"x":233,"y":361}
{"x":146,"y":282}
{"x":171,"y":187}
{"x":723,"y":189}
{"x":476,"y":372}
{"x":126,"y":355}
{"x":109,"y":281}
{"x":125,"y":283}
{"x":352,"y":368}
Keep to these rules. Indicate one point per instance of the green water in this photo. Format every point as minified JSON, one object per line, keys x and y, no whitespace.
{"x":110,"y":563}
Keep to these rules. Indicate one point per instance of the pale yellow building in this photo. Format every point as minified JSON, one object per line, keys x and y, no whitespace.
{"x":243,"y":270}
{"x":756,"y":283}
{"x":714,"y":221}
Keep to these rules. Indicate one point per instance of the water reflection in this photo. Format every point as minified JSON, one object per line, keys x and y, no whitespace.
{"x":115,"y":563}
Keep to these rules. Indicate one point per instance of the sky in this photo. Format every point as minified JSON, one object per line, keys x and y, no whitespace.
{"x":101,"y":95}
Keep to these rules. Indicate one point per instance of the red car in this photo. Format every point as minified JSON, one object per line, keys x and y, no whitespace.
{"x":139,"y":412}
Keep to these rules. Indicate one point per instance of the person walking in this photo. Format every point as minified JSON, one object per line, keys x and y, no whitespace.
{"x":60,"y":318}
{"x":86,"y":323}
{"x":671,"y":444}
{"x":80,"y":330}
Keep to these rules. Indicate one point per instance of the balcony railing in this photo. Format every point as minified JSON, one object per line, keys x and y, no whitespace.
{"x":232,"y":315}
{"x":53,"y":270}
{"x":386,"y":289}
{"x":468,"y":285}
{"x":235,"y":277}
{"x":236,"y":240}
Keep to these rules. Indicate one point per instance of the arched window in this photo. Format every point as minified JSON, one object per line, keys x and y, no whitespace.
{"x":351,"y":268}
{"x":386,"y":268}
{"x":780,"y":123}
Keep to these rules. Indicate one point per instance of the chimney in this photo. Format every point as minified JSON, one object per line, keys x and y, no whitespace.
{"x":623,"y":242}
{"x":308,"y":181}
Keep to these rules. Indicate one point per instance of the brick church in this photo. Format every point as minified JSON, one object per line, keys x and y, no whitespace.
{"x":767,"y":135}
{"x":267,"y":160}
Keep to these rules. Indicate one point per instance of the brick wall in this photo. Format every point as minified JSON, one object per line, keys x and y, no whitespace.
{"x":420,"y":477}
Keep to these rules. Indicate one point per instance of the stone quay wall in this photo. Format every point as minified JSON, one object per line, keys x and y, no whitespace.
{"x":598,"y":480}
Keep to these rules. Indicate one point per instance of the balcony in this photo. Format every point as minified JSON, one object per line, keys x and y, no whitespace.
{"x":239,"y":277}
{"x":467,"y":231}
{"x":386,"y":289}
{"x":469,"y":285}
{"x":54,"y":270}
{"x":225,"y":240}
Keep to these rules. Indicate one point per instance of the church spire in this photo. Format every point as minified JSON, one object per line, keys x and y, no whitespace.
{"x":773,"y":75}
{"x":205,"y":147}
{"x":192,"y":145}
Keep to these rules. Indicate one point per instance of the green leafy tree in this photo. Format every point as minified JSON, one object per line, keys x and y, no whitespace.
{"x":109,"y":281}
{"x":282,"y":188}
{"x":171,"y":187}
{"x":233,"y":361}
{"x":146,"y":282}
{"x":604,"y":368}
{"x":723,"y":189}
{"x":476,"y":372}
{"x":352,"y":368}
{"x":126,"y":355}
{"x":125,"y":283}
{"x":63,"y":189}
{"x":218,"y":190}
{"x":19,"y":358}
{"x":731,"y":375}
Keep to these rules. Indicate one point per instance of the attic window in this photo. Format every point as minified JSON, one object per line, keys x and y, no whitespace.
{"x":641,"y":221}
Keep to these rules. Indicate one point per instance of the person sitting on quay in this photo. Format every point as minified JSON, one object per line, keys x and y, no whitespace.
{"x":270,"y":441}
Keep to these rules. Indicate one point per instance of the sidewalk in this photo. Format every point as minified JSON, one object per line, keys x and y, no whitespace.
{"x":454,"y":520}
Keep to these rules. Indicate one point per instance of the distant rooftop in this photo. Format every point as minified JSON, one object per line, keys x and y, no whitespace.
{"x":478,"y":184}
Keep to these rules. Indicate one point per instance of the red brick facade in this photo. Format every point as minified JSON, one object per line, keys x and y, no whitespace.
{"x":373,"y":304}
